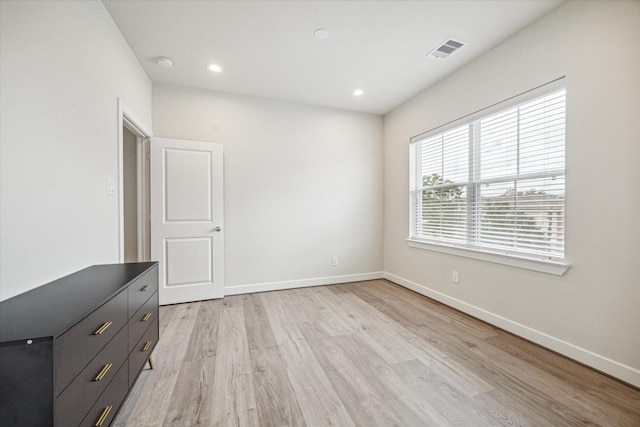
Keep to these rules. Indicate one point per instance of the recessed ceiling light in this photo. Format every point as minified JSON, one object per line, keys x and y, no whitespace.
{"x":321,"y":34}
{"x":164,"y":62}
{"x":214,"y":68}
{"x":358,"y":92}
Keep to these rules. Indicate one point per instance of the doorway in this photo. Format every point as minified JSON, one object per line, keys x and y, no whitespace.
{"x":134,"y":240}
{"x":135,"y":180}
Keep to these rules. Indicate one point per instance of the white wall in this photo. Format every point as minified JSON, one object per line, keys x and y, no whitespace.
{"x":591,"y":313}
{"x":62,"y":67}
{"x":302,"y":184}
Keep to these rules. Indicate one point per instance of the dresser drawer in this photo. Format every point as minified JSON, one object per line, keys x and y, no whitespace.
{"x":141,"y":321}
{"x":142,"y":351}
{"x":76,"y":347}
{"x":142,"y":289}
{"x":74,"y":402}
{"x":106,"y":408}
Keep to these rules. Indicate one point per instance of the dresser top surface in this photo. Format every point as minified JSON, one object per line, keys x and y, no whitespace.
{"x":49,"y":310}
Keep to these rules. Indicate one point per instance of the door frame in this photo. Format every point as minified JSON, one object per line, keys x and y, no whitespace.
{"x":127,"y":118}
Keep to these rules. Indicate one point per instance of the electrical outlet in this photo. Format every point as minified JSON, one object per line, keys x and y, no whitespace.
{"x":454,"y":277}
{"x":334,"y":261}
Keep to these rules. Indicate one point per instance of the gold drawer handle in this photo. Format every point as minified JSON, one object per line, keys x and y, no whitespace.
{"x":146,"y":317}
{"x":102,"y":328}
{"x":103,"y":372}
{"x":145,"y":288}
{"x":146,"y":346}
{"x":103,"y":417}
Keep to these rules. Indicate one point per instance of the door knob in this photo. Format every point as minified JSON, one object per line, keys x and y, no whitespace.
{"x":218,"y":228}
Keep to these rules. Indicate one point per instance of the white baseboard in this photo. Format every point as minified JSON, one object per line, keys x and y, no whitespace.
{"x":611,"y":367}
{"x":304,"y":283}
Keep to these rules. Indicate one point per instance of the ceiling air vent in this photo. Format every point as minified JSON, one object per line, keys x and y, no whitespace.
{"x":445,"y":49}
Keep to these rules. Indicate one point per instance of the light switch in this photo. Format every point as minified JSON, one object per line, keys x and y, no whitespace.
{"x":111,"y":188}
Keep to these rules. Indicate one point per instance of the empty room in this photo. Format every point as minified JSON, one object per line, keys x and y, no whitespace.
{"x":319,"y":213}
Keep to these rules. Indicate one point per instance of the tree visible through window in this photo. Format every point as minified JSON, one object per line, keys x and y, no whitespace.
{"x":495,"y":181}
{"x":442,"y":207}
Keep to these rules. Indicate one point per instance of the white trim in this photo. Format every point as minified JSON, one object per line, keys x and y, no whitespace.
{"x":133,"y":123}
{"x":304,"y":283}
{"x":601,"y":363}
{"x":140,"y":211}
{"x":145,"y":240}
{"x":556,"y":268}
{"x":126,"y":118}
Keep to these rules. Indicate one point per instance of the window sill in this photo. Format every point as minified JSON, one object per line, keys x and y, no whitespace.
{"x":536,"y":264}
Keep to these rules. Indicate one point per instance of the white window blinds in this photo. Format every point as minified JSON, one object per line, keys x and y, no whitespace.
{"x":495,"y":180}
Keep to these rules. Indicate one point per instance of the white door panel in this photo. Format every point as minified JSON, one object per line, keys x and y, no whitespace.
{"x":187,"y":224}
{"x":188,"y":261}
{"x":188,"y":185}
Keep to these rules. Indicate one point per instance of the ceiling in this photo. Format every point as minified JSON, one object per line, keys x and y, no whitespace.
{"x":268,"y":48}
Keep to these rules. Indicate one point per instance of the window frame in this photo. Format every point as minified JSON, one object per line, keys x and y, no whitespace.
{"x":470,"y":248}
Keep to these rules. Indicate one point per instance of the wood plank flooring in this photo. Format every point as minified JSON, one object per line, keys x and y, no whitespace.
{"x":360,"y":354}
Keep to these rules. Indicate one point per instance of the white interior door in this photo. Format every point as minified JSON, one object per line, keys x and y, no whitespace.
{"x":187,"y":223}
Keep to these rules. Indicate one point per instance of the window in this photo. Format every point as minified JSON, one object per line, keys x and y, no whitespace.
{"x":494,"y":181}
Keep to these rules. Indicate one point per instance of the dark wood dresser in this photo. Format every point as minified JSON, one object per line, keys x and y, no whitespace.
{"x":71,"y":350}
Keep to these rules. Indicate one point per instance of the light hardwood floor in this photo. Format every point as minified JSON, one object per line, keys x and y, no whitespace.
{"x":360,"y":354}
